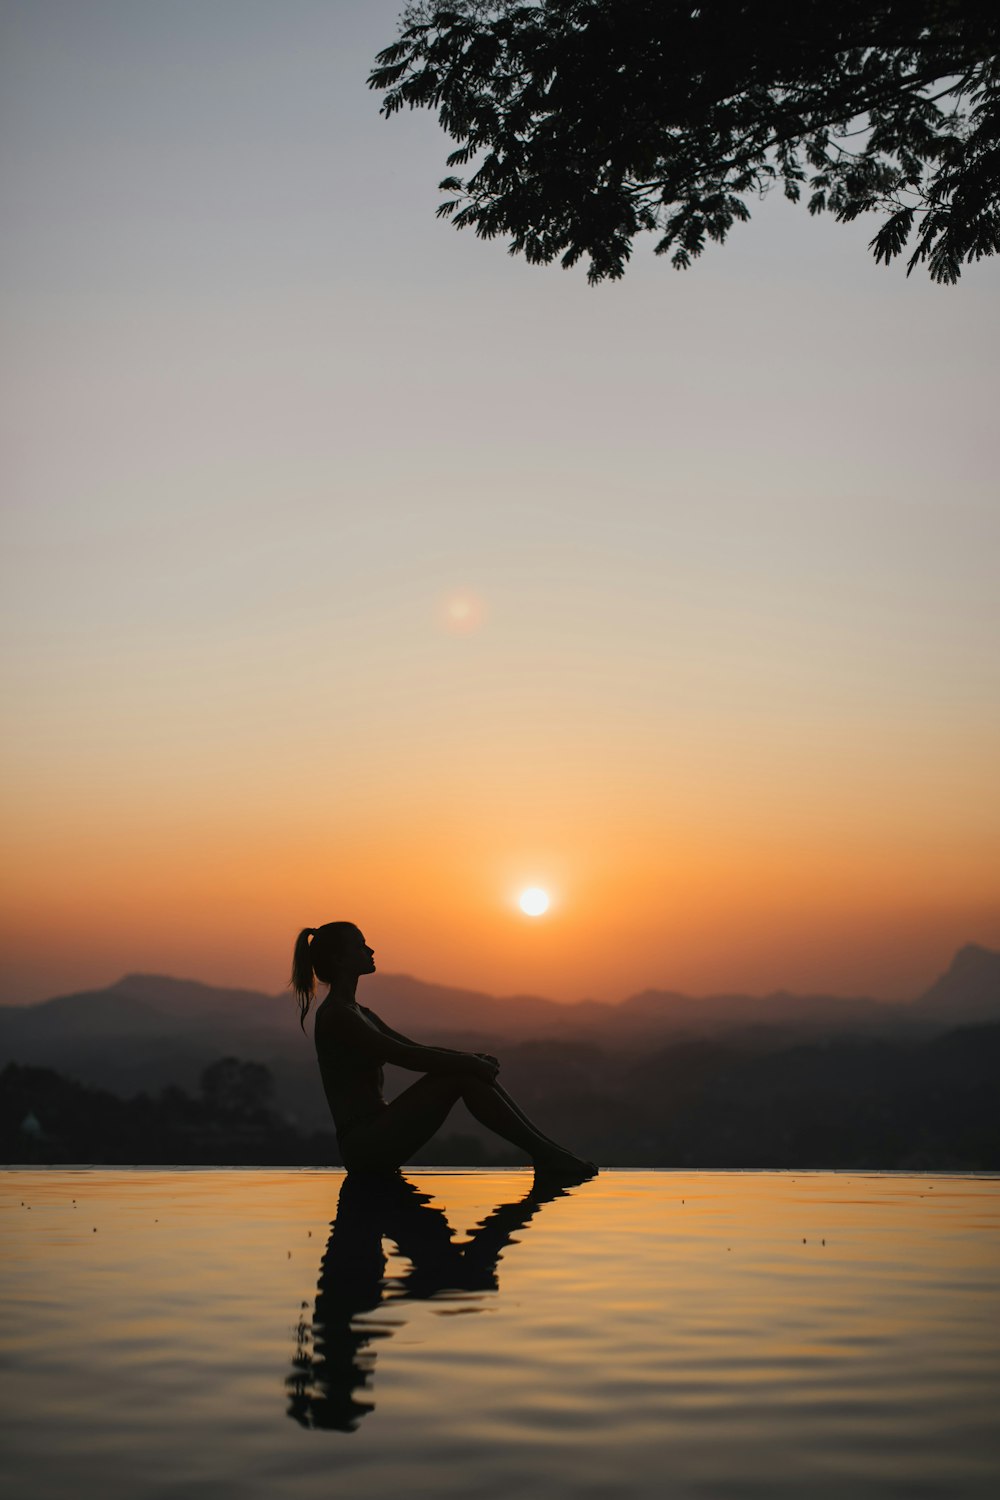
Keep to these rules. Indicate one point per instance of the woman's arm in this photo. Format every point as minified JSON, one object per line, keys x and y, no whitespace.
{"x":398,"y":1036}
{"x":382,"y":1045}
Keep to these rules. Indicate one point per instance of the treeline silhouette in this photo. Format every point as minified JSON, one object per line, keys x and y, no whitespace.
{"x":47,"y":1118}
{"x":843,"y":1102}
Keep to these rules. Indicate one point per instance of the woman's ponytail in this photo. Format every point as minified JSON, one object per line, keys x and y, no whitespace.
{"x":303,"y":980}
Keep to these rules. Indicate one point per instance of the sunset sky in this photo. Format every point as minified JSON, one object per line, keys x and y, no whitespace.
{"x":353,"y":568}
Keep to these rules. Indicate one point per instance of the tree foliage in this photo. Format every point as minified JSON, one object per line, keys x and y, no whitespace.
{"x":586,"y":122}
{"x":238,"y":1089}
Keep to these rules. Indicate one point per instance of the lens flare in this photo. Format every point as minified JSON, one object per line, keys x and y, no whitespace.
{"x":461,"y":612}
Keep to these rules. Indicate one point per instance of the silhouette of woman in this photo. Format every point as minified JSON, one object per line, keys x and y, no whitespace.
{"x":352,"y":1044}
{"x":331,"y":1381}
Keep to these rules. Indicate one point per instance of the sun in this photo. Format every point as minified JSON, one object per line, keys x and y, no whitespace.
{"x":534,"y":901}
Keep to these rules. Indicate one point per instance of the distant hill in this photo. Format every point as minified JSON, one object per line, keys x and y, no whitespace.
{"x":969,"y":991}
{"x":140,"y":1004}
{"x":148,"y":1031}
{"x":856,"y":1103}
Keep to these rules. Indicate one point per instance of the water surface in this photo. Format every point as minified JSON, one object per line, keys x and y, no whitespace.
{"x":261,"y":1333}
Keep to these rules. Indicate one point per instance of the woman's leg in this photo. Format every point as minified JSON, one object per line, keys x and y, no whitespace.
{"x":520,"y":1112}
{"x":493,"y":1107}
{"x":406,"y":1124}
{"x":410,"y":1120}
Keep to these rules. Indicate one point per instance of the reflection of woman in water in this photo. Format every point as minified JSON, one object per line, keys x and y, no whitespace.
{"x":330,"y":1385}
{"x":352,"y":1044}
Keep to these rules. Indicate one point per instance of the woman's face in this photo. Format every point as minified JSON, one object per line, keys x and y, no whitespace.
{"x":355,"y":956}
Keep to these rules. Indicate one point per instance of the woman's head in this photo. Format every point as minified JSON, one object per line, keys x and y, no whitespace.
{"x":337,"y":950}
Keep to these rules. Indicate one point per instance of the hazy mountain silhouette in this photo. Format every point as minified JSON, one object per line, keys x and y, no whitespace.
{"x":143,"y":1003}
{"x":849,"y":1102}
{"x":969,"y":991}
{"x":150,"y":1031}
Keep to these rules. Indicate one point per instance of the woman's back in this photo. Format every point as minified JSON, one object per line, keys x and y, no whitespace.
{"x":352,"y":1075}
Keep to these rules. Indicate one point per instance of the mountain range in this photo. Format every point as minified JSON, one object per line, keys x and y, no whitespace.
{"x":149,"y":1031}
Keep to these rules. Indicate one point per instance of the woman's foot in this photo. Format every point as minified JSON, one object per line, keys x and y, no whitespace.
{"x":561,"y":1163}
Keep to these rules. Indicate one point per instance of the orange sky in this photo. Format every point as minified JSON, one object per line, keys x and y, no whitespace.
{"x":757,"y":868}
{"x":354,"y":569}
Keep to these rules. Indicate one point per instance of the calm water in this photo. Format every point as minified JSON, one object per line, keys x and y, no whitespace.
{"x":208,"y":1333}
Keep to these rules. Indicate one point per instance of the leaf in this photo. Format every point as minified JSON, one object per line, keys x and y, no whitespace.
{"x":893,"y":235}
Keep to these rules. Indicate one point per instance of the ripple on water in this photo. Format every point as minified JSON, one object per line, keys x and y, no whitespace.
{"x":644,"y":1334}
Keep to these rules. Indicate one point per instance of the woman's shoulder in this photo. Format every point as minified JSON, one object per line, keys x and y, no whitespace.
{"x":325,"y":1018}
{"x":338,"y":1018}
